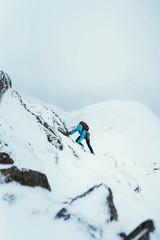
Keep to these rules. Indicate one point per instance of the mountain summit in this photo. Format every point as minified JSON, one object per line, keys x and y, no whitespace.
{"x":52,"y":188}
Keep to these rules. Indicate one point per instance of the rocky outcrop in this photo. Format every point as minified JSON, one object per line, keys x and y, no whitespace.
{"x":97,"y":199}
{"x":111,"y":206}
{"x":63,"y":213}
{"x":5,"y":83}
{"x":5,"y":159}
{"x":111,"y":209}
{"x":142,"y":232}
{"x":25,"y":177}
{"x":51,"y":130}
{"x":46,"y":118}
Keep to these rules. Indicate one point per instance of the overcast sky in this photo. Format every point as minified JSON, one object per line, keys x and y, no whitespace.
{"x":72,"y":53}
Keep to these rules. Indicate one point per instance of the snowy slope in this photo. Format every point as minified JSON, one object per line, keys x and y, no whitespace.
{"x":128,"y":133}
{"x":125,"y":137}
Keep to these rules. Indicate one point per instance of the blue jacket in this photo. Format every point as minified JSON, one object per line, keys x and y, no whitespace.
{"x":81,"y":131}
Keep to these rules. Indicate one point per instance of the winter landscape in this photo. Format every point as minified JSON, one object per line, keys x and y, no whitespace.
{"x":52,"y":188}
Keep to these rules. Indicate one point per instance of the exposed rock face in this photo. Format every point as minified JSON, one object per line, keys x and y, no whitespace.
{"x":46,"y":119}
{"x":112,"y":209}
{"x":141,"y":232}
{"x":24,"y":177}
{"x":51,"y":130}
{"x":97,"y":199}
{"x":5,"y":83}
{"x":112,"y":212}
{"x":5,"y":159}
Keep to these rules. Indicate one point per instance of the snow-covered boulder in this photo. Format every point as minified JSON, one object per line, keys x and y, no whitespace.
{"x":93,"y":209}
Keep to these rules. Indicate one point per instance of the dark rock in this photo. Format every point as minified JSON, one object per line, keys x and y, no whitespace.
{"x":65,"y":133}
{"x":156,"y":169}
{"x":109,"y":203}
{"x":5,"y":159}
{"x":141,"y":232}
{"x":137,"y":189}
{"x":63,"y":213}
{"x":73,"y":151}
{"x":50,"y":131}
{"x":100,"y":189}
{"x":25,"y":177}
{"x":5,"y":82}
{"x":95,"y":232}
{"x":92,"y":189}
{"x":112,"y":209}
{"x":4,"y":155}
{"x":122,"y":235}
{"x":103,"y":203}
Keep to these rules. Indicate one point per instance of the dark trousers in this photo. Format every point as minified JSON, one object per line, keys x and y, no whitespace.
{"x":88,"y":143}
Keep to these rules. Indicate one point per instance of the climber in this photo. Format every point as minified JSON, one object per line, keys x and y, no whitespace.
{"x":82,"y":128}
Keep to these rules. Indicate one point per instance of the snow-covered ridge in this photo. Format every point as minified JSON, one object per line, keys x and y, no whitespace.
{"x":125,"y":137}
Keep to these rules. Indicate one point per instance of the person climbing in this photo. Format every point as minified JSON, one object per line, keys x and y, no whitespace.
{"x":82,"y":128}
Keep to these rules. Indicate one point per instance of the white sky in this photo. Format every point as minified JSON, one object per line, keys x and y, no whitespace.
{"x":72,"y":53}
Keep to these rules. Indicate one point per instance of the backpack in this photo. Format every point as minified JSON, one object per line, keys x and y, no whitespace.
{"x":85,"y":126}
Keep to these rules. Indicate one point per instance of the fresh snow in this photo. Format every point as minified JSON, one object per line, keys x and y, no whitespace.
{"x":125,"y":137}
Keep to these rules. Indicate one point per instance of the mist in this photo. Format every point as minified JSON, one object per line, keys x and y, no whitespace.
{"x":75,"y":53}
